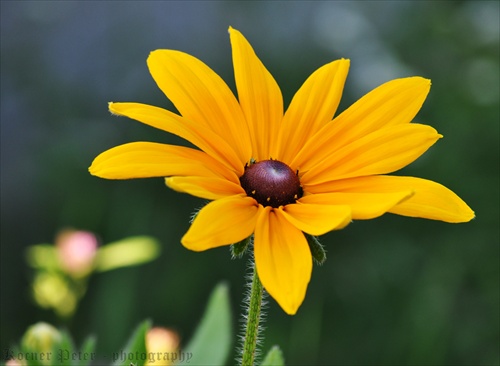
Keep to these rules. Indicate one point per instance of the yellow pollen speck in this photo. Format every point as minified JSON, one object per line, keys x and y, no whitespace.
{"x":268,"y":199}
{"x":253,"y":192}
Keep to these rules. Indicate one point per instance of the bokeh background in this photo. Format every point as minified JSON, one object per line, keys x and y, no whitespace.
{"x":393,"y":291}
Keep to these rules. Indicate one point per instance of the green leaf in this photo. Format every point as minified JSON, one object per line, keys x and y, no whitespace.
{"x":127,"y":252}
{"x":87,"y":352}
{"x":64,"y":351}
{"x":274,"y":357}
{"x":135,"y":350}
{"x":211,"y":343}
{"x":317,"y":250}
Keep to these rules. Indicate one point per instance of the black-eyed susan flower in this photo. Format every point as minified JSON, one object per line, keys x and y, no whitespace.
{"x":276,"y":174}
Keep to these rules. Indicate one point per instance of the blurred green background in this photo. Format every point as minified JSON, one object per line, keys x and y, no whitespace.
{"x":393,"y":291}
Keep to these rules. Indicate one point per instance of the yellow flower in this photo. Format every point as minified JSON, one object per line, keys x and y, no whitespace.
{"x":279,"y":175}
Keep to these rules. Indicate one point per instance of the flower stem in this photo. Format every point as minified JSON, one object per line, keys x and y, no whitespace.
{"x":253,"y":319}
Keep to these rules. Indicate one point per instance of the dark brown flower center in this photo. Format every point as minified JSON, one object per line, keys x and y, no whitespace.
{"x":271,"y":183}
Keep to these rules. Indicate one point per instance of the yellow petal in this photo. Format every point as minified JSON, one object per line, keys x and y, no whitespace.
{"x":363,"y":205}
{"x":282,"y":258}
{"x":200,"y":95}
{"x":210,"y":188}
{"x":311,"y":108}
{"x":434,"y":201}
{"x":382,"y":151}
{"x":197,"y":134}
{"x":222,"y":222}
{"x":148,"y":159}
{"x":430,"y":200}
{"x":317,"y":217}
{"x":259,"y":95}
{"x":395,"y":102}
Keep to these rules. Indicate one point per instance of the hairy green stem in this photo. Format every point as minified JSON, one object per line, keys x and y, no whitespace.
{"x":253,"y":319}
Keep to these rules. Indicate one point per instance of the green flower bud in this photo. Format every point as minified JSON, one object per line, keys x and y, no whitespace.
{"x":41,"y":338}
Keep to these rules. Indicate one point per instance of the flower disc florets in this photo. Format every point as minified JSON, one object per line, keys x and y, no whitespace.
{"x":271,"y":183}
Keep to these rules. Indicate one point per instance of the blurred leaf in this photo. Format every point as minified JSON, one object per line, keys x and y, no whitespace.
{"x":87,"y":351}
{"x":136,"y":346}
{"x":274,"y":357}
{"x":43,"y":256}
{"x":211,"y":342}
{"x":64,"y":351}
{"x":127,"y":252}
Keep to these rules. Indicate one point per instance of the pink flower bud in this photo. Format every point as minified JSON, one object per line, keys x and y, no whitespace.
{"x":77,"y":250}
